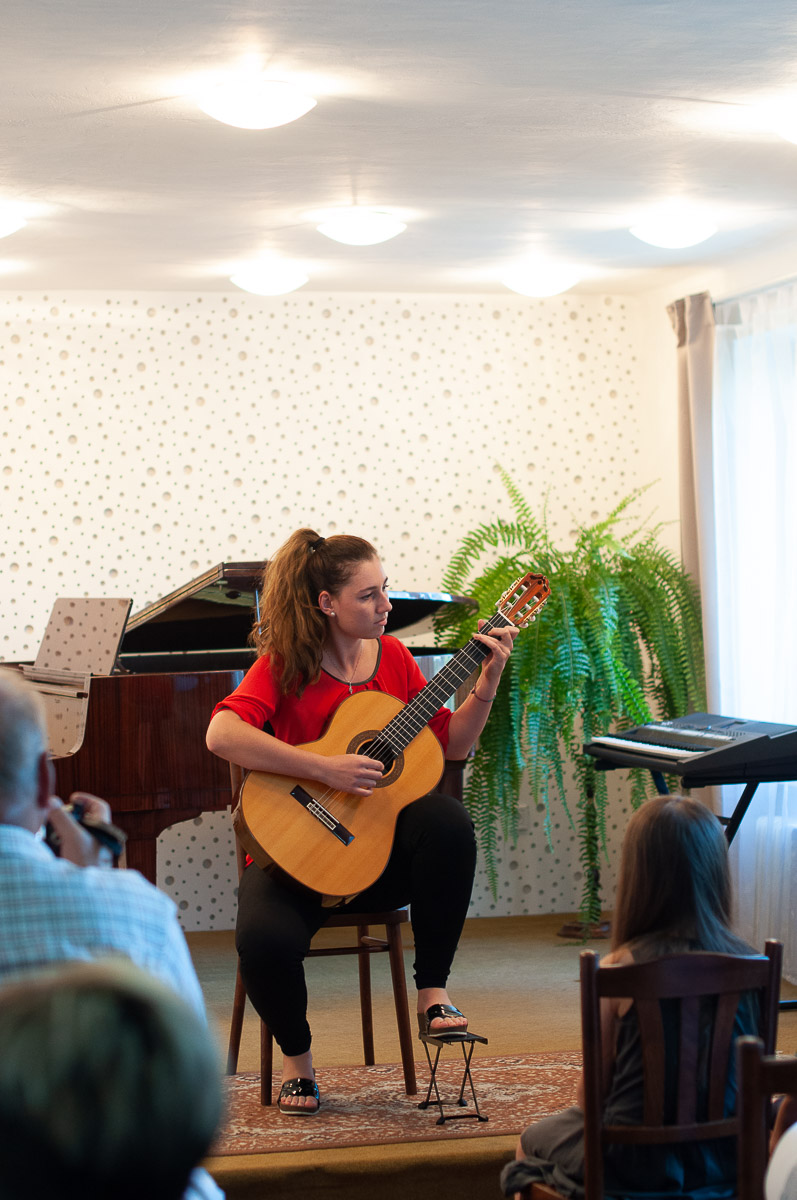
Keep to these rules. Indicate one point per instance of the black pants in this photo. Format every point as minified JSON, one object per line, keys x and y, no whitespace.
{"x":431,"y":868}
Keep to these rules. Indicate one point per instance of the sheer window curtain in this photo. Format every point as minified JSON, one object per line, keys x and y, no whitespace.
{"x":693,"y":322}
{"x":754,"y":439}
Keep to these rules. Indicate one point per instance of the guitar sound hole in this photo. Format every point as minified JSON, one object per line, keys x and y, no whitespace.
{"x":368,"y":743}
{"x":384,"y":755}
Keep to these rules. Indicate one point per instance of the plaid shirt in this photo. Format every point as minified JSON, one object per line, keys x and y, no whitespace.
{"x":52,"y":911}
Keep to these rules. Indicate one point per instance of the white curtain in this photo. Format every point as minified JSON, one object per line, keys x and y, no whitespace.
{"x":754,"y":421}
{"x":693,"y":322}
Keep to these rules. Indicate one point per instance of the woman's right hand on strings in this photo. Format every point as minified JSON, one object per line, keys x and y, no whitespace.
{"x":353,"y":773}
{"x":255,"y":750}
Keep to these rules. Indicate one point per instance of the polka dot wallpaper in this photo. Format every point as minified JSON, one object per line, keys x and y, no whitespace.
{"x":145,"y":438}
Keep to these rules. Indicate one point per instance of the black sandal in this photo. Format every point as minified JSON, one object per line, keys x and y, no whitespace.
{"x":298,"y":1087}
{"x":434,"y":1013}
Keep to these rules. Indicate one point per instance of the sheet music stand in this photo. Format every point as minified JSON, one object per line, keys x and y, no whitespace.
{"x":468,"y":1042}
{"x":82,"y":639}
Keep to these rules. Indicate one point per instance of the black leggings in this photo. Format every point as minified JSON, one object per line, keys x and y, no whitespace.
{"x":431,"y":868}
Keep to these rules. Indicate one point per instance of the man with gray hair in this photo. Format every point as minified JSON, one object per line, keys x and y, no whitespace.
{"x":59,"y":909}
{"x":56,"y":909}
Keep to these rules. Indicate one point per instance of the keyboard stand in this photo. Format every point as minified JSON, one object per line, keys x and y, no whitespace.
{"x":732,"y":822}
{"x":468,"y":1042}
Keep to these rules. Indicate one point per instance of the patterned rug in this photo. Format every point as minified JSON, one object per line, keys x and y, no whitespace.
{"x":365,"y":1106}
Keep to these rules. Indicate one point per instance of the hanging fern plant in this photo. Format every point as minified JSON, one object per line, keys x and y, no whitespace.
{"x":619,"y":642}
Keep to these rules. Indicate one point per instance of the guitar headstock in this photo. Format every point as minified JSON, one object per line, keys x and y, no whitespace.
{"x":522,"y":601}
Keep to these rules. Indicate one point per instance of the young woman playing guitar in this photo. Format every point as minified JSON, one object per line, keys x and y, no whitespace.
{"x":320,"y":639}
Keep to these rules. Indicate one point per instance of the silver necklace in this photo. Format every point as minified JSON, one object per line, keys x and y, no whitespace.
{"x":349,"y":682}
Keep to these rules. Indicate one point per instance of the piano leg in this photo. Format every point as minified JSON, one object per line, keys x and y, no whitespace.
{"x":140,"y":855}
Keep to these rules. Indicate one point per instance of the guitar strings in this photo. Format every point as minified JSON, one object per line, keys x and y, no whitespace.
{"x":409,"y":724}
{"x":412,"y":718}
{"x":334,"y":800}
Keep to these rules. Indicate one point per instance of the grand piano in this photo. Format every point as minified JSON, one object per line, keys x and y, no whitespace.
{"x":142,"y":727}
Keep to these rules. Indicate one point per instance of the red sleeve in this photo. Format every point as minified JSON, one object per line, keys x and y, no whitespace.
{"x":258,"y":700}
{"x":257,"y":696}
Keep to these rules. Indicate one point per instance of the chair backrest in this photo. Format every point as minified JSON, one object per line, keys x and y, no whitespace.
{"x":683,"y":1093}
{"x":760,"y":1076}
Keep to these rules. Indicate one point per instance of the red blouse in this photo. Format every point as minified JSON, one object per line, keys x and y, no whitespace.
{"x":296,"y":720}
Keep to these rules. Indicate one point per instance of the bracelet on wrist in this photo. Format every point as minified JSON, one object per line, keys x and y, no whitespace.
{"x":481,"y":699}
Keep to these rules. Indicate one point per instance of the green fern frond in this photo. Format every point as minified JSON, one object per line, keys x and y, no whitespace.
{"x":620,"y":640}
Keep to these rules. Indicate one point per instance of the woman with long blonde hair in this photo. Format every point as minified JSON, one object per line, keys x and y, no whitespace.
{"x":320,"y":638}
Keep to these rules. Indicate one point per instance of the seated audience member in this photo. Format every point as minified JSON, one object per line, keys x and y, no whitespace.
{"x":109,"y":1087}
{"x":781,"y":1178}
{"x":55,"y":909}
{"x":673,"y":896}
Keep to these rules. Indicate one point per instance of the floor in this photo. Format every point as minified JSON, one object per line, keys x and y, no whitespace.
{"x":514,"y":977}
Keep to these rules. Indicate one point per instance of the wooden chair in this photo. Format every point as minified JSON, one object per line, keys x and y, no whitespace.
{"x":365,"y":946}
{"x":684,"y":979}
{"x":761,"y":1076}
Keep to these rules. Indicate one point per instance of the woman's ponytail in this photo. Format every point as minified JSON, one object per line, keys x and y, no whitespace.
{"x":292,"y":629}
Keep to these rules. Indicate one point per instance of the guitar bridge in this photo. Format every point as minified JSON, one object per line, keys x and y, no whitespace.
{"x":317,"y":810}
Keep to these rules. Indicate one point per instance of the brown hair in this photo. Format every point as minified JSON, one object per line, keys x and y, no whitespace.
{"x":674,"y":890}
{"x":291,"y":628}
{"x":109,"y":1085}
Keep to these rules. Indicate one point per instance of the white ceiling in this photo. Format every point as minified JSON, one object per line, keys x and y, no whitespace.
{"x":493,"y":127}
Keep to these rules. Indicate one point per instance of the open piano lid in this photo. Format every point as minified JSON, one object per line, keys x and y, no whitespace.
{"x":212,"y":615}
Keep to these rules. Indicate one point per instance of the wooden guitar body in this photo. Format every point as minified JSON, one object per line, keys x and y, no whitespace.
{"x":296,"y":836}
{"x":336,"y":843}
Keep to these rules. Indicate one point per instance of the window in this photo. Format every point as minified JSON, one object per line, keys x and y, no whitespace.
{"x":754,"y":423}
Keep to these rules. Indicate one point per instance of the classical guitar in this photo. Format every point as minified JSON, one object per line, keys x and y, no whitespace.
{"x":336,"y":843}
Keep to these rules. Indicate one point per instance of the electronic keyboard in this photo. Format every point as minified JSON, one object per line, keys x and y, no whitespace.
{"x":704,"y":749}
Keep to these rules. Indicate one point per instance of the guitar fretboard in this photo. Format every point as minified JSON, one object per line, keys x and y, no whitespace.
{"x":399,"y":732}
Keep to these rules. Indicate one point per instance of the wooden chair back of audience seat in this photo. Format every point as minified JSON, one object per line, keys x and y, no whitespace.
{"x":685,"y":979}
{"x":761,"y":1076}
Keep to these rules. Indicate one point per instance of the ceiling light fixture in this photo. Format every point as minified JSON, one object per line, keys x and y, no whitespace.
{"x":539,"y":277}
{"x":10,"y":222}
{"x":250,"y":100}
{"x":674,"y":228}
{"x":269,"y":277}
{"x":781,"y":118}
{"x":355,"y":226}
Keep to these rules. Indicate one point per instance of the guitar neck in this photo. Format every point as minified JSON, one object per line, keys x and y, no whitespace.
{"x":414,"y":716}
